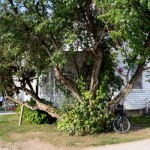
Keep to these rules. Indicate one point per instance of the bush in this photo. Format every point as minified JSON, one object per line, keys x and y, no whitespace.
{"x":86,"y":118}
{"x":36,"y":116}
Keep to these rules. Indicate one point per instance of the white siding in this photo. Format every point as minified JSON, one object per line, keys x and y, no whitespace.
{"x":23,"y":95}
{"x":49,"y":90}
{"x":136,"y":99}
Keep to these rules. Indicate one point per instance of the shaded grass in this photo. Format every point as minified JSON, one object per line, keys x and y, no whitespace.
{"x":145,"y":121}
{"x":11,"y":132}
{"x":2,"y":108}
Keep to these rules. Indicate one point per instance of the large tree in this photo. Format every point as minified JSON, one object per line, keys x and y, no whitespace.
{"x":37,"y":35}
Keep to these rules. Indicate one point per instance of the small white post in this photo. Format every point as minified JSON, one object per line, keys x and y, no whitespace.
{"x":21,"y":114}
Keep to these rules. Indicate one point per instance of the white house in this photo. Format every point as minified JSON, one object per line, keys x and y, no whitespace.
{"x":137,"y":99}
{"x":140,"y":95}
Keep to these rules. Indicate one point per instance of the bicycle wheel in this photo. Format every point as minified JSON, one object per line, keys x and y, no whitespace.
{"x":121,"y":124}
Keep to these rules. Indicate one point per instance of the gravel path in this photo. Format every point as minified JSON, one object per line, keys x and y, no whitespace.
{"x":36,"y":144}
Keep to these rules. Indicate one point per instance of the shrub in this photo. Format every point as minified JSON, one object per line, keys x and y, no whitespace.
{"x":86,"y":118}
{"x":36,"y":116}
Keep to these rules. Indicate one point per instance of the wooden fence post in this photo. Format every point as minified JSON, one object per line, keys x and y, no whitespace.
{"x":21,"y":115}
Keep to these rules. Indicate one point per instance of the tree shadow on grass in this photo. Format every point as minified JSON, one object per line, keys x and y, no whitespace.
{"x":139,"y":123}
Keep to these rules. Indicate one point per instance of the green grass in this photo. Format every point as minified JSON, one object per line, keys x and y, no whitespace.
{"x":2,"y":108}
{"x":9,"y":125}
{"x":145,"y":121}
{"x":11,"y":132}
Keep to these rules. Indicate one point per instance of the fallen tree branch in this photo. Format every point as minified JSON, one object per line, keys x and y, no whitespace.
{"x":51,"y":110}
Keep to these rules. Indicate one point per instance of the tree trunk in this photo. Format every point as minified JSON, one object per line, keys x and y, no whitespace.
{"x":68,"y":83}
{"x":127,"y":89}
{"x":95,"y":73}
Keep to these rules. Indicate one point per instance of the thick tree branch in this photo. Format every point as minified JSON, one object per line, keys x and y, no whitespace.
{"x":18,"y":101}
{"x":14,"y":100}
{"x":95,"y":72}
{"x":127,"y":89}
{"x":13,"y":6}
{"x":51,"y":110}
{"x":90,"y":19}
{"x":30,"y":85}
{"x":147,"y":68}
{"x":70,"y":84}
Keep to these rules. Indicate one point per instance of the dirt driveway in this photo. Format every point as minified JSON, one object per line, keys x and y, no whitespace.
{"x":138,"y":145}
{"x":37,"y":144}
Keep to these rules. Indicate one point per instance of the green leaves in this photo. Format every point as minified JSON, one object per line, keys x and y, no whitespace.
{"x":43,"y":27}
{"x":59,"y":58}
{"x":35,"y":116}
{"x":86,"y":119}
{"x":81,"y":84}
{"x":128,"y":21}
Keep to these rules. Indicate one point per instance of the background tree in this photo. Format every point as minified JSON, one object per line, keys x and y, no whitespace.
{"x":128,"y":22}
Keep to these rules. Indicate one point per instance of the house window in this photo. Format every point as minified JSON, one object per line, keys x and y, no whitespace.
{"x":139,"y":82}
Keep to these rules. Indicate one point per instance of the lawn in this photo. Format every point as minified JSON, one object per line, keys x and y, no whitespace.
{"x":1,"y":108}
{"x":11,"y":132}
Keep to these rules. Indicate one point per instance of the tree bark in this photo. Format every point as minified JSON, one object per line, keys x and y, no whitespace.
{"x":95,"y":72}
{"x":68,"y":83}
{"x":127,"y":89}
{"x":97,"y":51}
{"x":91,"y":19}
{"x":51,"y":110}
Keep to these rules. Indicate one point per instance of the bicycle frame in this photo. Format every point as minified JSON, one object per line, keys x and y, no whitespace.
{"x":121,"y":124}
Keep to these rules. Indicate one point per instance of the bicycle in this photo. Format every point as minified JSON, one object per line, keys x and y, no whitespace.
{"x":120,"y":124}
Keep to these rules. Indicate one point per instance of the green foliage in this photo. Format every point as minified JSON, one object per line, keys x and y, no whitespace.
{"x":81,"y":84}
{"x":91,"y":115}
{"x":110,"y":82}
{"x":58,"y":58}
{"x":35,"y":116}
{"x":31,"y":102}
{"x":128,"y":21}
{"x":84,"y":118}
{"x":141,"y":120}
